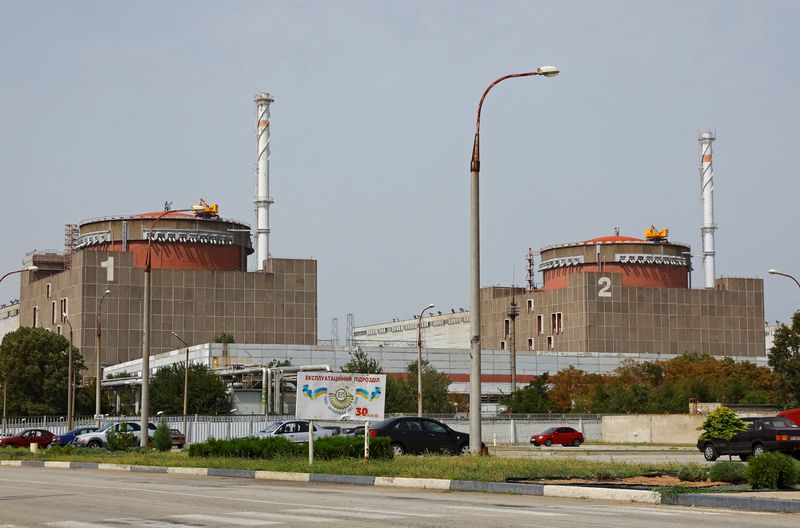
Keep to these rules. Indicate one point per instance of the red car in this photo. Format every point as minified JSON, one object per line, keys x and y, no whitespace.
{"x":566,"y":436}
{"x":43,"y":437}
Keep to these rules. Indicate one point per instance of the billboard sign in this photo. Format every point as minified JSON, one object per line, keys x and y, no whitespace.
{"x":340,"y":396}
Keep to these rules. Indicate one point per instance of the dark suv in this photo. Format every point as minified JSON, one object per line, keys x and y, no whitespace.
{"x":774,"y":433}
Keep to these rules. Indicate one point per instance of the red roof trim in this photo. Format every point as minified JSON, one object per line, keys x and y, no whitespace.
{"x":612,"y":239}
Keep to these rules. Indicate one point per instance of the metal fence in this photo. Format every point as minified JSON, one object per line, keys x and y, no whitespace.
{"x":500,"y":429}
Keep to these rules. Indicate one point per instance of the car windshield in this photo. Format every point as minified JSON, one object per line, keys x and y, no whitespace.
{"x":551,"y":430}
{"x":271,"y":427}
{"x":380,"y":425}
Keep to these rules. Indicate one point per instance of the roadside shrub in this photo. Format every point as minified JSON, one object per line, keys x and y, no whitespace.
{"x":121,"y":440}
{"x":728,"y":471}
{"x":249,"y":447}
{"x":162,"y":439}
{"x":773,"y":471}
{"x":333,"y":447}
{"x":692,"y":473}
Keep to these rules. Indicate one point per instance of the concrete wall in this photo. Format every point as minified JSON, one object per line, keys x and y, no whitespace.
{"x":652,"y":428}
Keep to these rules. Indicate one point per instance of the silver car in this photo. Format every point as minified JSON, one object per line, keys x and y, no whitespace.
{"x":99,"y":438}
{"x":293,"y":430}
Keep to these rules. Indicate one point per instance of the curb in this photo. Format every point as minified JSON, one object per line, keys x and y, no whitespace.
{"x":708,"y":500}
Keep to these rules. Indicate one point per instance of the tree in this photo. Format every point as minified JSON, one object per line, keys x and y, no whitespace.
{"x":224,"y":338}
{"x":360,"y":363}
{"x":531,"y":399}
{"x":721,"y":424}
{"x":784,"y":356}
{"x":207,"y":392}
{"x":401,"y":394}
{"x":33,"y":368}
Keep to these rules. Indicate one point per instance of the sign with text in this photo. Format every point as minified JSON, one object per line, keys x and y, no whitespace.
{"x":340,"y":396}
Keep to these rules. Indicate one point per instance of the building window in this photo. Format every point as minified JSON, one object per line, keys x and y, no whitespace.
{"x":556,"y":326}
{"x":35,"y":316}
{"x":530,"y":343}
{"x":539,"y":325}
{"x":506,"y":327}
{"x":530,"y":305}
{"x":49,"y":288}
{"x":64,"y":305}
{"x":550,"y":345}
{"x":53,"y":312}
{"x":58,"y":329}
{"x":502,"y":345}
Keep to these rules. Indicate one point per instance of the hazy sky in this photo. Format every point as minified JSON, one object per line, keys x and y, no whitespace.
{"x":111,"y":108}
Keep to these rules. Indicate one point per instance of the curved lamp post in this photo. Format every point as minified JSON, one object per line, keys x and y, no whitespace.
{"x":97,"y":374}
{"x":776,"y":272}
{"x":5,"y":391}
{"x":146,"y":328}
{"x":185,"y":385}
{"x":475,"y":279}
{"x":419,"y":359}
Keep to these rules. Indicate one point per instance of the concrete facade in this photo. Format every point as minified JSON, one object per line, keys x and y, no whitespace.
{"x":9,"y":319}
{"x":448,"y":330}
{"x":278,"y":306}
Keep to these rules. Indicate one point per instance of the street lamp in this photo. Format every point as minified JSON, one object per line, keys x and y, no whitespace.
{"x":185,"y":385}
{"x":475,"y":258}
{"x":70,"y":394}
{"x":776,"y":272}
{"x":97,"y":365}
{"x":146,"y":328}
{"x":419,"y":359}
{"x":5,"y":391}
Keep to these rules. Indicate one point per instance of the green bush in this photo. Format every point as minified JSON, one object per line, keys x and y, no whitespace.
{"x":333,"y":447}
{"x":122,"y":440}
{"x":728,"y":471}
{"x":162,"y":440}
{"x":249,"y":447}
{"x":692,"y":473}
{"x":773,"y":471}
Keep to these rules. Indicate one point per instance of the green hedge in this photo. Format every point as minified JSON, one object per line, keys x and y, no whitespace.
{"x":728,"y":471}
{"x":773,"y":471}
{"x":327,"y":448}
{"x":692,"y":473}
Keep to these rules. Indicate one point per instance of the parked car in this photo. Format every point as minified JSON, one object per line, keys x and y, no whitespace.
{"x":43,"y":437}
{"x":566,"y":436}
{"x":99,"y":438}
{"x":792,"y":414}
{"x":177,"y":437}
{"x":67,"y":438}
{"x":356,"y":431}
{"x":293,"y":430}
{"x":413,"y":434}
{"x":776,"y":433}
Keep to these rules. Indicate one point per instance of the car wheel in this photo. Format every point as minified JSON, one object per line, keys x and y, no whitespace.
{"x":535,"y":444}
{"x":710,"y":453}
{"x":464,"y":449}
{"x":398,"y":449}
{"x":744,"y":458}
{"x":576,"y":442}
{"x":94,"y":444}
{"x":758,"y":449}
{"x":548,"y":442}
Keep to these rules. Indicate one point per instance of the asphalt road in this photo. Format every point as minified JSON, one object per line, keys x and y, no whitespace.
{"x":95,"y":499}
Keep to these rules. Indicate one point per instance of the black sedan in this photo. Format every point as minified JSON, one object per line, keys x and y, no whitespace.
{"x":413,"y":434}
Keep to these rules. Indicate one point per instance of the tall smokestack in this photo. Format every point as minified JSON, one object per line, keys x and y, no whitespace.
{"x":263,"y":199}
{"x":707,"y":194}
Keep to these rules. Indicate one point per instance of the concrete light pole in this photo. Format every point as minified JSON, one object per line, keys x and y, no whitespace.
{"x":776,"y":272}
{"x":146,"y":329}
{"x":97,"y":375}
{"x":419,"y":359}
{"x":5,"y":383}
{"x":70,"y":394}
{"x":185,"y":385}
{"x":475,"y":278}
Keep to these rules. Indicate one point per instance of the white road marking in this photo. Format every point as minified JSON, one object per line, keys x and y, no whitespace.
{"x":508,"y":510}
{"x":222,"y":519}
{"x":286,"y":516}
{"x":358,"y":514}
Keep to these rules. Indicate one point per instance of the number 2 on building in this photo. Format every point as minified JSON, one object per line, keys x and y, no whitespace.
{"x":605,"y":291}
